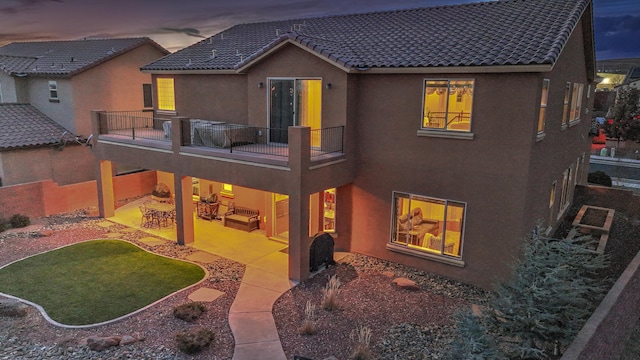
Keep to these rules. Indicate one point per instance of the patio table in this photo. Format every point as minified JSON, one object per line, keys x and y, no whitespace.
{"x":162,"y":213}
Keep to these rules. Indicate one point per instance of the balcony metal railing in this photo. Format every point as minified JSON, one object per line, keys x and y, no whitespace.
{"x":616,"y":153}
{"x":327,"y":140}
{"x":217,"y":135}
{"x":132,"y":124}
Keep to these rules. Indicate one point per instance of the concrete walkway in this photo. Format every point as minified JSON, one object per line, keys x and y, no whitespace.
{"x":264,"y":281}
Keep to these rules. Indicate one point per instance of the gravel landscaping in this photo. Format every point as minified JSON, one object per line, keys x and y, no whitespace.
{"x":153,"y":329}
{"x":404,"y":324}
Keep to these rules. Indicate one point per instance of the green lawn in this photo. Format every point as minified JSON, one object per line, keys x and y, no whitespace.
{"x":96,"y":281}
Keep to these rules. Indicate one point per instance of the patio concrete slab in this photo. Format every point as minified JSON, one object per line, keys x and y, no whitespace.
{"x":114,"y":235}
{"x":105,"y":224}
{"x":268,"y":350}
{"x":152,"y":241}
{"x":251,"y":298}
{"x":253,"y":327}
{"x":203,"y":257}
{"x":129,"y":230}
{"x":205,"y":295}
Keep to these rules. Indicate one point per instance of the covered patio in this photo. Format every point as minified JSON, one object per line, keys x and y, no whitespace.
{"x":211,"y":236}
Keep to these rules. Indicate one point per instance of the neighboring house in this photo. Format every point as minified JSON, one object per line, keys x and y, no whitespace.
{"x":438,"y":138}
{"x":29,"y":137}
{"x":65,"y":80}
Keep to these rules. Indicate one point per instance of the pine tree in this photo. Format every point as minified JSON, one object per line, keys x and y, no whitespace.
{"x":472,"y":342}
{"x":551,"y":294}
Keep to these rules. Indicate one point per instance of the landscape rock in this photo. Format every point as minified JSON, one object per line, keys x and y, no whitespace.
{"x":45,"y":233}
{"x":127,"y":340}
{"x":12,"y":308}
{"x":406,"y":284}
{"x":102,"y":343}
{"x":389,"y":274}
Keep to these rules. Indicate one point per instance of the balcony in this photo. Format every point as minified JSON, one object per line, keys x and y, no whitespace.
{"x":214,"y":138}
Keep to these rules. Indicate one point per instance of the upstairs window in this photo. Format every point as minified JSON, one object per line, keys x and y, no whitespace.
{"x":53,"y":91}
{"x":447,"y":105}
{"x":576,"y":102}
{"x":166,"y":94}
{"x":565,"y":105}
{"x":543,"y":106}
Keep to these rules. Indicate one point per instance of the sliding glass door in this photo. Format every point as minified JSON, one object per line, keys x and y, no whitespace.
{"x":293,"y":102}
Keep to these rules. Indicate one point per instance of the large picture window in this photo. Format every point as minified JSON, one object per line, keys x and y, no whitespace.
{"x":166,"y":94}
{"x":447,"y":105}
{"x":431,"y":225}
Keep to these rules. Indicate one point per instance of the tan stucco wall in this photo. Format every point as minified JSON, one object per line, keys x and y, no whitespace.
{"x":72,"y":164}
{"x":115,"y":85}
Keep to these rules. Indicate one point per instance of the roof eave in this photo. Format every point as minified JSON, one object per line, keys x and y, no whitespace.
{"x":458,"y":69}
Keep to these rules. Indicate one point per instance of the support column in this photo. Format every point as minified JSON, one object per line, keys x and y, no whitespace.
{"x":299,"y":241}
{"x":106,"y":199}
{"x":184,"y":209}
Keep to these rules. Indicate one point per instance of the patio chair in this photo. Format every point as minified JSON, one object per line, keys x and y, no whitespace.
{"x":147,"y":216}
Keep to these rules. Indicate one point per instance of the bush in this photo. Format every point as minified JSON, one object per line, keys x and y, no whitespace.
{"x":330,"y":294}
{"x":19,"y":221}
{"x":361,"y":337}
{"x":308,"y":326}
{"x":193,"y":341}
{"x":599,"y":178}
{"x":189,"y":312}
{"x":3,"y":225}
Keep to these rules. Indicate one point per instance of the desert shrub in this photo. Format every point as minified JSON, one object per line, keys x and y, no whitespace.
{"x":599,"y":178}
{"x":3,"y":225}
{"x":19,"y":221}
{"x":330,"y":294}
{"x":361,"y":337}
{"x":308,"y":325}
{"x":193,"y":341}
{"x":472,"y":341}
{"x":189,"y":312}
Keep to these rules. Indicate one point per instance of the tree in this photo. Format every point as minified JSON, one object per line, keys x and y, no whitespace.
{"x":543,"y":306}
{"x":624,"y":122}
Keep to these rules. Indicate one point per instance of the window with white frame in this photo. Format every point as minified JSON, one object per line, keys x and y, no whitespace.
{"x":542,"y":116}
{"x":53,"y":90}
{"x":447,"y":105}
{"x":576,"y":102}
{"x":565,"y":105}
{"x":433,"y":226}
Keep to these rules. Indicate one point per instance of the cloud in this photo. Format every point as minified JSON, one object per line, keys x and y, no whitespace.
{"x":187,"y":31}
{"x":617,"y":36}
{"x":24,"y":5}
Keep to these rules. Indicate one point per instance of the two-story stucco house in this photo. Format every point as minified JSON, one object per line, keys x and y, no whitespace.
{"x":64,"y":81}
{"x":438,"y":137}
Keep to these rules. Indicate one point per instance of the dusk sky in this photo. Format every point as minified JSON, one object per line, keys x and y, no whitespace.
{"x":176,"y":24}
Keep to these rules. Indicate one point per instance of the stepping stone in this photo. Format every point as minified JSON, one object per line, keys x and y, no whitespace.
{"x":105,"y":224}
{"x":203,"y":257}
{"x":152,"y":241}
{"x":205,"y":295}
{"x":114,"y":235}
{"x":129,"y":230}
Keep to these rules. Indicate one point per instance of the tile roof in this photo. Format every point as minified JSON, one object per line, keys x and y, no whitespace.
{"x":506,"y":32}
{"x":24,"y":126}
{"x":64,"y":58}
